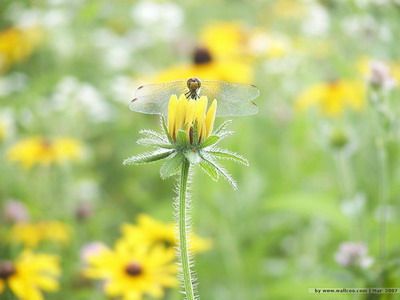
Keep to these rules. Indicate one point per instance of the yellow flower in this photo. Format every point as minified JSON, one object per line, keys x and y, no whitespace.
{"x":133,"y":272}
{"x":31,"y":234}
{"x":230,"y":40}
{"x":16,"y":44}
{"x":29,"y":275}
{"x":205,"y":65}
{"x":224,"y":39}
{"x":289,"y":9}
{"x":332,"y":98}
{"x":42,"y":151}
{"x":184,"y":114}
{"x":151,"y":232}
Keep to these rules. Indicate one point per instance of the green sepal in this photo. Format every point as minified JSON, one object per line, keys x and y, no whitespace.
{"x":226,"y":154}
{"x":209,"y":170}
{"x":221,"y":170}
{"x":211,"y":140}
{"x":222,"y":127}
{"x":195,"y":134}
{"x":154,"y":143}
{"x":147,"y":157}
{"x":181,"y":138}
{"x":171,"y":166}
{"x":165,"y":128}
{"x":193,"y":156}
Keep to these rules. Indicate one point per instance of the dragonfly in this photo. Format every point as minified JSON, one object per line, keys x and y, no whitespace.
{"x":234,"y":99}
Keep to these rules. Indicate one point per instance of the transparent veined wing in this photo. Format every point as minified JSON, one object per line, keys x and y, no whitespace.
{"x":233,"y":99}
{"x":153,"y":98}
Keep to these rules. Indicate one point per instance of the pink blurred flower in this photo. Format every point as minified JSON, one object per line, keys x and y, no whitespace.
{"x":90,"y":249}
{"x":15,"y":211}
{"x":380,"y":75}
{"x":353,"y":254}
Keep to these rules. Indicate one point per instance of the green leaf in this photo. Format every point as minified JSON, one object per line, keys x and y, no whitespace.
{"x":211,"y":140}
{"x":171,"y":166}
{"x":209,"y":170}
{"x":154,"y":143}
{"x":226,"y":154}
{"x":221,"y":170}
{"x":192,"y":156}
{"x":147,"y":157}
{"x":222,"y":127}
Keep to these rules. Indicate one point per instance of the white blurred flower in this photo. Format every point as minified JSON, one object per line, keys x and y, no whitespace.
{"x":163,"y":18}
{"x":365,"y":25}
{"x":317,"y":22}
{"x":12,"y":83}
{"x":86,"y":190}
{"x":380,"y":75}
{"x":7,"y":123}
{"x":80,"y":96}
{"x":353,"y":207}
{"x":122,"y":89}
{"x":118,"y":50}
{"x":14,"y":211}
{"x":353,"y":254}
{"x":90,"y":249}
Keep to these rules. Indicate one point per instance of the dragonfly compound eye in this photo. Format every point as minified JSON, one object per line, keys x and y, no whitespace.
{"x":193,"y":84}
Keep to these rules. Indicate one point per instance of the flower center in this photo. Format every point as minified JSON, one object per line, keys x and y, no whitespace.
{"x":134,"y":269}
{"x":7,"y":269}
{"x":201,"y":56}
{"x":167,"y":243}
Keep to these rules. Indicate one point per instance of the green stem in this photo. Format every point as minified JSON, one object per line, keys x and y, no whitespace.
{"x":183,"y":225}
{"x":383,"y":197}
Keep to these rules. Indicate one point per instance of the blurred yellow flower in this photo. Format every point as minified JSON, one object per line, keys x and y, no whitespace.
{"x":133,"y":272}
{"x":206,"y":66}
{"x":151,"y":232}
{"x":332,"y":98}
{"x":234,"y":41}
{"x":16,"y":44}
{"x":224,"y":39}
{"x":43,"y":151}
{"x":29,"y":275}
{"x":31,"y":234}
{"x":289,"y":9}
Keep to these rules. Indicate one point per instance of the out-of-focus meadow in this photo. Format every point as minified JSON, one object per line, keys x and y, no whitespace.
{"x":318,"y":206}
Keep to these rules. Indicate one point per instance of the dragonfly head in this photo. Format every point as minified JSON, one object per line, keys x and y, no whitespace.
{"x":193,"y":84}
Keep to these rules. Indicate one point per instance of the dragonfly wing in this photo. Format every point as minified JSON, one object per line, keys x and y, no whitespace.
{"x":234,"y":99}
{"x":153,"y":98}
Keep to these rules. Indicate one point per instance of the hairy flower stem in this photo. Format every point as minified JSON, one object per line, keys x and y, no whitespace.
{"x":183,"y":226}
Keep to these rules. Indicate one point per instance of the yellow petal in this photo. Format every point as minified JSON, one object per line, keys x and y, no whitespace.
{"x":180,"y":113}
{"x":210,"y":117}
{"x":173,"y":101}
{"x":201,"y":106}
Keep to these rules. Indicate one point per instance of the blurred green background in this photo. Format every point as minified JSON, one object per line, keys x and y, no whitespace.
{"x":70,"y":68}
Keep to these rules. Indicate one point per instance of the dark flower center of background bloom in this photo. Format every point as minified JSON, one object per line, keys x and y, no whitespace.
{"x":166,"y":243}
{"x":201,"y":56}
{"x":7,"y":269}
{"x":134,"y":269}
